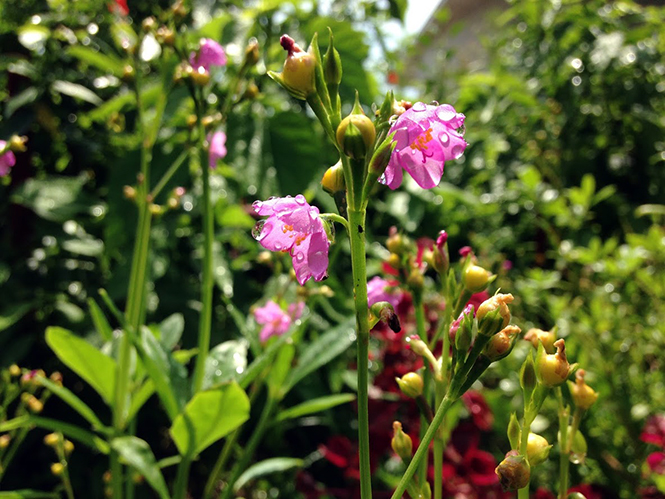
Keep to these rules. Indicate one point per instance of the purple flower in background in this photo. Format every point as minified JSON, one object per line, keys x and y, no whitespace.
{"x":217,"y":149}
{"x":427,"y":136}
{"x":7,"y":159}
{"x":295,"y":227}
{"x":379,"y":289}
{"x":274,"y":320}
{"x":210,"y":54}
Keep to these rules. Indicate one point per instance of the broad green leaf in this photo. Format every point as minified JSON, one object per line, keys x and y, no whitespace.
{"x":315,"y":405}
{"x":169,"y":376}
{"x":138,"y":454}
{"x":53,"y":198}
{"x":209,"y":416}
{"x":77,"y":91}
{"x":85,"y":360}
{"x":107,"y":63}
{"x":99,"y":320}
{"x":170,"y":330}
{"x":262,"y":468}
{"x":280,"y":370}
{"x":321,"y":351}
{"x":69,"y":430}
{"x":73,"y":401}
{"x":225,"y":363}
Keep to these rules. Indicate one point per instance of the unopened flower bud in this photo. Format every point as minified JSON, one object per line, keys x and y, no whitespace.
{"x":333,"y":179}
{"x":57,"y":469}
{"x":583,"y":395}
{"x":476,"y":278}
{"x":332,"y":65}
{"x":252,"y":53}
{"x":441,"y":259}
{"x":200,"y":76}
{"x":52,"y":439}
{"x":547,"y":338}
{"x":394,"y":261}
{"x":411,"y":384}
{"x":14,"y":370}
{"x":156,"y":209}
{"x":149,"y":24}
{"x":537,"y":449}
{"x":35,"y":405}
{"x":128,"y":73}
{"x":385,"y":312}
{"x":69,"y":447}
{"x":355,"y":135}
{"x":381,"y":156}
{"x":514,"y":472}
{"x":401,"y":443}
{"x":17,"y":143}
{"x":493,"y":314}
{"x":56,"y":377}
{"x":415,"y":280}
{"x":29,"y":379}
{"x":553,"y":369}
{"x":396,"y":242}
{"x":298,"y":75}
{"x":5,"y":440}
{"x":129,"y":192}
{"x":179,"y":10}
{"x":501,"y":344}
{"x":514,"y":431}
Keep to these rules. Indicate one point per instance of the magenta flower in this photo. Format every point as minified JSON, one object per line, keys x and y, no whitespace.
{"x":275,"y":321}
{"x":295,"y":227}
{"x":210,"y":54}
{"x":379,"y":289}
{"x":427,"y":136}
{"x":217,"y":148}
{"x":7,"y":159}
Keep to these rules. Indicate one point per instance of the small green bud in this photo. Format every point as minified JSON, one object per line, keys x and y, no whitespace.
{"x":582,"y":394}
{"x":332,"y":64}
{"x":528,"y":379}
{"x":476,"y":278}
{"x":355,"y":135}
{"x":251,"y":53}
{"x":553,"y":369}
{"x":401,"y":443}
{"x":537,"y":449}
{"x":411,"y":384}
{"x":381,"y":156}
{"x":514,"y":431}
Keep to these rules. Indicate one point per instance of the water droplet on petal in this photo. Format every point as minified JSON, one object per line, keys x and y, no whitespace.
{"x":444,"y":138}
{"x":445,"y":113}
{"x":258,"y":229}
{"x":434,"y":103}
{"x":278,"y":246}
{"x":419,"y":107}
{"x":461,"y":130}
{"x":457,"y":151}
{"x":299,"y":257}
{"x":300,"y":199}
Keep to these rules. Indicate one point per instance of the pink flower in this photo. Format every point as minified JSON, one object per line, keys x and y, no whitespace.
{"x":217,"y":148}
{"x":654,"y":430}
{"x":427,"y":136}
{"x":656,"y":462}
{"x":119,"y":6}
{"x":379,"y":289}
{"x":276,"y":322}
{"x":210,"y":54}
{"x":7,"y":159}
{"x":465,"y":251}
{"x":295,"y":227}
{"x":480,"y":412}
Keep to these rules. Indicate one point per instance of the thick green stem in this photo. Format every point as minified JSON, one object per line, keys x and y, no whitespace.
{"x":358,"y":261}
{"x":443,"y":408}
{"x":180,"y":487}
{"x":251,"y":446}
{"x":207,"y":282}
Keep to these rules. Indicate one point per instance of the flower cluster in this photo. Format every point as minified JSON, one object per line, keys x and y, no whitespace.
{"x":7,"y":159}
{"x":210,"y":54}
{"x":276,"y":321}
{"x":295,"y":227}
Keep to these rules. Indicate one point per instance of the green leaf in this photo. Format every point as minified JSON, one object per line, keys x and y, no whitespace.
{"x":99,"y":320}
{"x":140,"y":398}
{"x":138,"y":454}
{"x":209,"y":416}
{"x":85,"y":360}
{"x":77,"y":91}
{"x":69,"y":430}
{"x":225,"y":362}
{"x":11,"y":316}
{"x":280,"y":369}
{"x":73,"y":401}
{"x":52,"y":198}
{"x":27,"y":96}
{"x":233,"y":216}
{"x":272,"y":465}
{"x":123,"y":35}
{"x":87,"y":246}
{"x":321,"y":351}
{"x":33,"y":36}
{"x":315,"y":405}
{"x":28,"y":494}
{"x":170,"y":330}
{"x":169,"y":377}
{"x":107,"y":63}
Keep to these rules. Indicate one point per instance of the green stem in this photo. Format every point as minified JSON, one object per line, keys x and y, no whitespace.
{"x":523,"y":493}
{"x":168,"y":175}
{"x":438,"y":446}
{"x":421,"y":329}
{"x":207,"y":283}
{"x":180,"y":487}
{"x":564,"y":447}
{"x":251,"y":446}
{"x":446,"y":403}
{"x":358,"y":263}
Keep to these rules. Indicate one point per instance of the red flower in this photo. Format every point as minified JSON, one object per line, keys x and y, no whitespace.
{"x":480,"y":411}
{"x":656,"y":462}
{"x":543,"y":494}
{"x":654,"y":430}
{"x":477,"y":298}
{"x":119,"y":6}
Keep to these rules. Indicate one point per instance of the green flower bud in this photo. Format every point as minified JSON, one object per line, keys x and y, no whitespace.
{"x":537,"y":449}
{"x":401,"y":443}
{"x":332,"y":65}
{"x":355,"y":135}
{"x":553,"y":369}
{"x":514,"y":431}
{"x":411,"y":384}
{"x":299,"y":74}
{"x":476,"y":278}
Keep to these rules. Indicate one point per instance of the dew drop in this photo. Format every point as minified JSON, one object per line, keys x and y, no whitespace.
{"x":300,"y":199}
{"x":457,"y":151}
{"x":257,"y":231}
{"x":299,"y":257}
{"x":278,"y":246}
{"x":444,"y":138}
{"x":419,"y":107}
{"x":218,"y":372}
{"x":461,"y":130}
{"x":434,"y":103}
{"x":445,"y":113}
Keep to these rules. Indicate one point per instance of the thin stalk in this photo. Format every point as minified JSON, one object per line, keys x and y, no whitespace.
{"x":251,"y":446}
{"x":66,"y":482}
{"x":207,"y":282}
{"x":180,"y":487}
{"x":358,"y":264}
{"x":443,"y":408}
{"x":438,"y":446}
{"x":523,"y":493}
{"x":564,"y":447}
{"x":169,"y":174}
{"x":421,"y":329}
